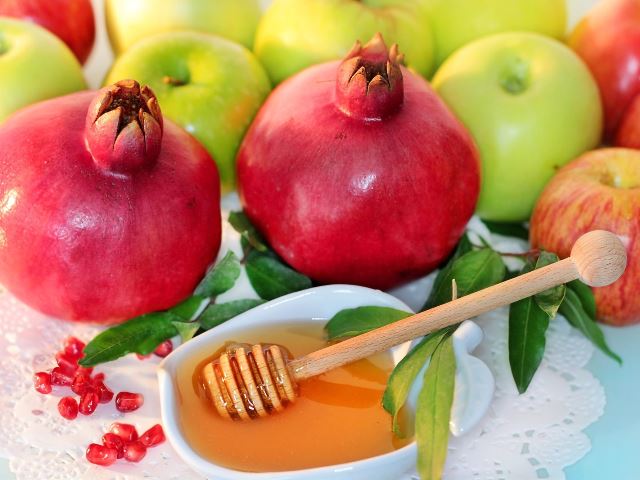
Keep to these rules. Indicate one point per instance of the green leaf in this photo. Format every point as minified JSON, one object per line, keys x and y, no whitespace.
{"x":271,"y":278}
{"x":188,"y":309}
{"x":218,"y":313}
{"x":585,"y":294}
{"x":140,"y":335}
{"x":355,"y":321}
{"x":516,"y":230}
{"x":472,"y":271}
{"x":221,"y":277}
{"x":405,"y":373}
{"x":186,"y":330}
{"x":550,"y":299}
{"x":241,"y":224}
{"x":464,"y":246}
{"x":528,"y":324}
{"x":573,"y":310}
{"x":433,"y":411}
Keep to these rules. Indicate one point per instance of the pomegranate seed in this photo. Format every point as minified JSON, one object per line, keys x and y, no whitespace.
{"x":42,"y":382}
{"x":103,"y":392}
{"x":68,"y":407}
{"x":153,"y":436}
{"x":164,"y":349}
{"x":88,"y":403}
{"x":125,"y":431}
{"x":73,"y":347}
{"x":97,"y":378}
{"x":85,"y":370}
{"x":143,"y":357}
{"x":60,"y":377}
{"x":101,"y":455}
{"x":66,"y":364}
{"x":134,"y":451}
{"x":111,"y":440}
{"x":81,"y":384}
{"x":128,"y":402}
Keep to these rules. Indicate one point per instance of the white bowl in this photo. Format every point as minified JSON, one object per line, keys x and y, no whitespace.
{"x":316,"y":304}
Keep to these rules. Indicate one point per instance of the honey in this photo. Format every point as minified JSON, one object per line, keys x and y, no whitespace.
{"x":337,"y":417}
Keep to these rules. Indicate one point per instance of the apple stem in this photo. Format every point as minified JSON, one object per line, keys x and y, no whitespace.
{"x":176,"y":82}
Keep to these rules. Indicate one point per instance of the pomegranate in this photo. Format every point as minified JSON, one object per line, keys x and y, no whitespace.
{"x":42,"y":382}
{"x":104,"y":393}
{"x":128,"y":402}
{"x":356,"y":172}
{"x":88,"y":402}
{"x":152,"y":437}
{"x":61,"y":378}
{"x":134,"y":451}
{"x":68,"y":407}
{"x":101,"y":455}
{"x":125,"y":431}
{"x":108,"y":212}
{"x":73,"y":348}
{"x":111,"y":440}
{"x":164,"y":349}
{"x":81,"y":384}
{"x":66,"y":364}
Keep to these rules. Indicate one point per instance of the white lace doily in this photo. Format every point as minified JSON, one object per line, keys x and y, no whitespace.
{"x":528,"y":437}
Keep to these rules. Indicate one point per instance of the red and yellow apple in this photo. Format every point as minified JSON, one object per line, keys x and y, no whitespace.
{"x":70,"y":20}
{"x":599,"y":190}
{"x":608,"y":40}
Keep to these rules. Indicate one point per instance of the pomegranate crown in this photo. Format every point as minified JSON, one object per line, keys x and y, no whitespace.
{"x":124,"y":127}
{"x":369,"y":83}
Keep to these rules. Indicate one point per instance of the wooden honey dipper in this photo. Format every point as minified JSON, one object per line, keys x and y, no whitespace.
{"x":254,"y":381}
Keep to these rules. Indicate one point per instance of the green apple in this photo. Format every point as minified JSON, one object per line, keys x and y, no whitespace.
{"x":34,"y":65}
{"x":294,"y":34}
{"x":210,"y":86}
{"x":531,"y":105}
{"x":457,"y":22}
{"x":131,"y":20}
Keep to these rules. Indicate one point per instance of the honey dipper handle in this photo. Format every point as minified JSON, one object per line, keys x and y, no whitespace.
{"x":598,"y":258}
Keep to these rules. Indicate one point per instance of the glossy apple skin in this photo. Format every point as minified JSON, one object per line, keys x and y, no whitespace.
{"x":129,"y":21}
{"x":599,"y":190}
{"x":531,"y":105}
{"x":294,"y":34}
{"x":628,"y":132}
{"x":34,"y":65}
{"x":348,"y":201}
{"x":70,"y":20}
{"x":224,"y":88}
{"x":608,"y":40}
{"x":83,"y":244}
{"x":457,"y":22}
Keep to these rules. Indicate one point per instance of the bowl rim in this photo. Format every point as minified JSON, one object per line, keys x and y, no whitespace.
{"x":166,"y":369}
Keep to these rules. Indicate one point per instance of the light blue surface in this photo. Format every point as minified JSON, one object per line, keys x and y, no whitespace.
{"x":615,"y":438}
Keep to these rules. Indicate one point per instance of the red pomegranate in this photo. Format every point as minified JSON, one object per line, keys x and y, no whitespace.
{"x":356,"y":172}
{"x":106,"y":211}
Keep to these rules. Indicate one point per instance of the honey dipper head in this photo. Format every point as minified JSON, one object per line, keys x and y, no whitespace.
{"x":600,"y":258}
{"x":248,"y":382}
